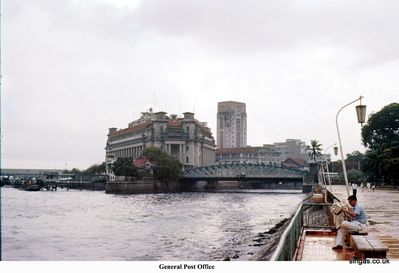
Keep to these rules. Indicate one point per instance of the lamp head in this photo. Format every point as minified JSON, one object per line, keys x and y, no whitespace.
{"x":361,"y":113}
{"x":335,"y":150}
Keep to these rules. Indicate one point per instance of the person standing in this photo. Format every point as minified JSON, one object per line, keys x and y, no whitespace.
{"x":354,"y":189}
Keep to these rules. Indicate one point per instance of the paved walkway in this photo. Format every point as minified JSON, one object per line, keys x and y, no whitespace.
{"x":382,"y":208}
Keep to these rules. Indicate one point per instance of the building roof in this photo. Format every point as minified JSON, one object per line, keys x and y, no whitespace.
{"x":142,"y":162}
{"x":295,"y":162}
{"x":231,"y":102}
{"x":173,"y":122}
{"x":134,"y":128}
{"x":237,"y":150}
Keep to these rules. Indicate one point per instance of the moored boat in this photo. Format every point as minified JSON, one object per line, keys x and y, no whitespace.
{"x":31,"y":185}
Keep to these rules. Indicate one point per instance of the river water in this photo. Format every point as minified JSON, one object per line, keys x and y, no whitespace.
{"x":89,"y":225}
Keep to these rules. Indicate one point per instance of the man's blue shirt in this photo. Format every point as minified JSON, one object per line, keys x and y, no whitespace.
{"x":360,"y":214}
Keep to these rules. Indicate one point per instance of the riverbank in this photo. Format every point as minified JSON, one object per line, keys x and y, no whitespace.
{"x":150,"y":185}
{"x":270,"y":241}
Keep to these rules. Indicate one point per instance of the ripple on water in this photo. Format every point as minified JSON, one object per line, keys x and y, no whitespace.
{"x":85,"y":225}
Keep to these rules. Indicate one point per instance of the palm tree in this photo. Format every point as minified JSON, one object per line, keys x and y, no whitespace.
{"x":314,"y":150}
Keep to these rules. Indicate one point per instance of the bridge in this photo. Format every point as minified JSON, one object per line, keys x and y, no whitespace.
{"x":248,"y":175}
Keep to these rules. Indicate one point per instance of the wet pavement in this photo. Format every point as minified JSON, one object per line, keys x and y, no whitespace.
{"x":317,"y":247}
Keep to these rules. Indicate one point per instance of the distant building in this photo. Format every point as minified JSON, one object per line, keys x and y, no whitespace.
{"x":296,"y":149}
{"x":291,"y":153}
{"x":291,"y":148}
{"x":42,"y":174}
{"x":231,"y":125}
{"x":262,"y":155}
{"x":186,"y":138}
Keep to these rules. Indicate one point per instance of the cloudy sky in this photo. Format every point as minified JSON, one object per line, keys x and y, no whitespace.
{"x":73,"y":68}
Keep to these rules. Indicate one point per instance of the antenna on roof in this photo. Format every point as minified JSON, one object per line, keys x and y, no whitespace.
{"x":154,"y":99}
{"x":179,"y":109}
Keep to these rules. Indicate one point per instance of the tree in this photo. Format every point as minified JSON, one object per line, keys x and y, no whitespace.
{"x":95,"y":169}
{"x":314,"y":150}
{"x":167,"y":167}
{"x":75,"y":171}
{"x":381,"y":136}
{"x":354,"y":161}
{"x":354,"y":176}
{"x":124,"y":167}
{"x":382,"y":128}
{"x":390,"y":164}
{"x":336,"y":166}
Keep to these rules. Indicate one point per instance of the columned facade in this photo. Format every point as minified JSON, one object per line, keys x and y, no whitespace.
{"x":185,"y":138}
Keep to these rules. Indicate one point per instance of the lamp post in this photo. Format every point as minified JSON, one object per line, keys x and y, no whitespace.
{"x":328,"y":172}
{"x":361,"y":117}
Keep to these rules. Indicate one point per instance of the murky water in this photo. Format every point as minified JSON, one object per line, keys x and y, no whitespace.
{"x":87,"y":225}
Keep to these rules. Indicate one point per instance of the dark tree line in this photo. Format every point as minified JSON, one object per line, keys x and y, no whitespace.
{"x":381,"y":138}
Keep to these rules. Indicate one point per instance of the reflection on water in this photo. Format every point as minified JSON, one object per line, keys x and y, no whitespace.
{"x":87,"y":225}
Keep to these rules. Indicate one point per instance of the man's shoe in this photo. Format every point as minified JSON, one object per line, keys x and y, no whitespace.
{"x":337,"y":247}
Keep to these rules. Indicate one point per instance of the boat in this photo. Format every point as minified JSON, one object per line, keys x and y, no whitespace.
{"x":31,"y":185}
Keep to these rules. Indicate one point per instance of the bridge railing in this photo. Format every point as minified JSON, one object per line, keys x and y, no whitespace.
{"x":249,"y":170}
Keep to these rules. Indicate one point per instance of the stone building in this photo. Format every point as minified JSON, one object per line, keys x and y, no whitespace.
{"x":296,"y":149}
{"x":263,"y":155}
{"x":231,"y":125}
{"x":186,"y":138}
{"x":292,"y":148}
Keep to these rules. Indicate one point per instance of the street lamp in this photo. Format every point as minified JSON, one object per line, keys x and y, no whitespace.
{"x":361,"y":118}
{"x":328,"y":172}
{"x":335,"y":150}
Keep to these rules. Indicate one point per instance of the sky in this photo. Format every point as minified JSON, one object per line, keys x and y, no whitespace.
{"x":73,"y":68}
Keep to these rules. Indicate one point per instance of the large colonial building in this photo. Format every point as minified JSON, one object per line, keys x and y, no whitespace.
{"x":186,"y":138}
{"x":231,"y":125}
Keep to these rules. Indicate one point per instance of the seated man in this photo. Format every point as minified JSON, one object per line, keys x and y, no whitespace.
{"x":359,"y":222}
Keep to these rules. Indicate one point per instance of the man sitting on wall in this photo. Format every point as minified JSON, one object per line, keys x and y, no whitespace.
{"x":359,"y":222}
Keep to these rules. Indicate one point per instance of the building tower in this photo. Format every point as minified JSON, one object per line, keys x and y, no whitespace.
{"x":231,"y":125}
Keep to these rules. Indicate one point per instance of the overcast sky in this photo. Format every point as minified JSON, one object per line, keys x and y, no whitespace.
{"x":73,"y":68}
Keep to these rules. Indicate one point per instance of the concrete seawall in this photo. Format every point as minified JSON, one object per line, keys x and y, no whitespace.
{"x":145,"y":185}
{"x":149,"y":185}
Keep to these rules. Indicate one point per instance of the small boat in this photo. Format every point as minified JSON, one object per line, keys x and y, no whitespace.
{"x":31,"y":185}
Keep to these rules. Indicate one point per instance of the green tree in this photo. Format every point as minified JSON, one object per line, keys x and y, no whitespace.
{"x":381,"y":136}
{"x":75,"y":171}
{"x":354,"y":161}
{"x":167,"y":167}
{"x":354,"y":176}
{"x":382,"y":129}
{"x":125,"y":167}
{"x":336,"y":166}
{"x":314,"y":150}
{"x":390,"y":165}
{"x":96,"y":169}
